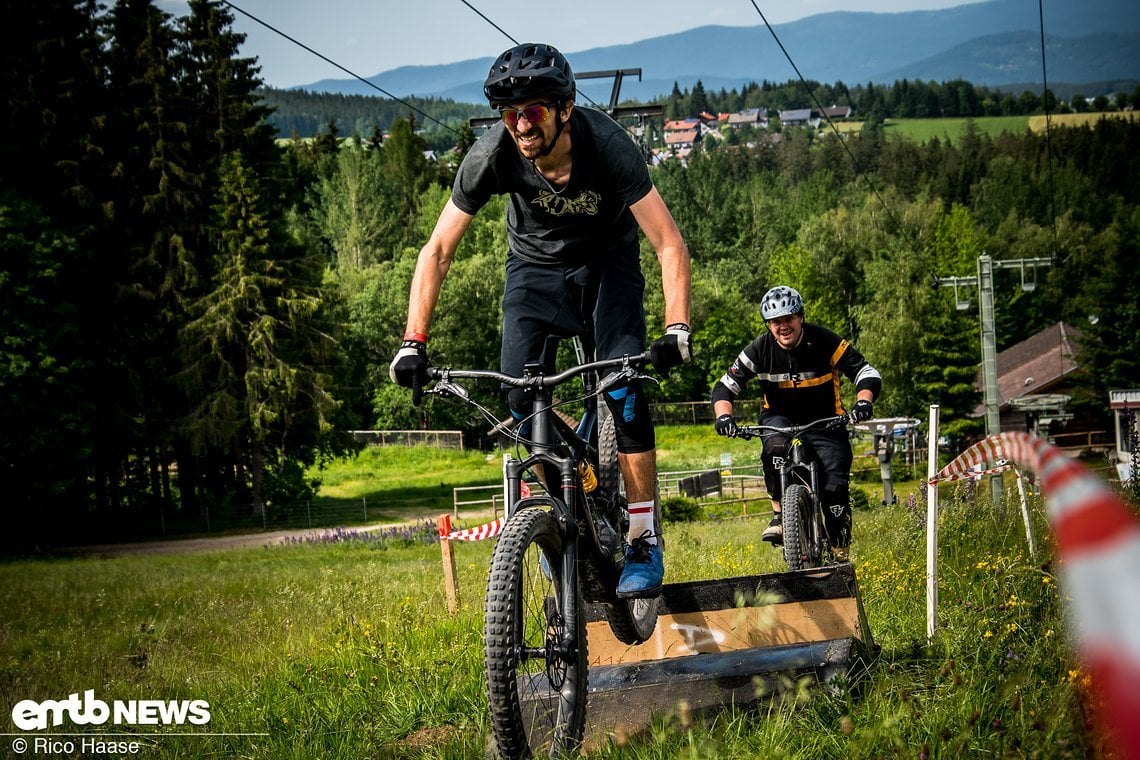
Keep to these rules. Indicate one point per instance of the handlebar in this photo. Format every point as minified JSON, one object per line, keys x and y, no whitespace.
{"x":754,"y":431}
{"x":629,"y":366}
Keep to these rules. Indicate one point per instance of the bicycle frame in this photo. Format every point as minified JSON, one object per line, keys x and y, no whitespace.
{"x":800,"y":469}
{"x":804,"y":470}
{"x":555,"y":446}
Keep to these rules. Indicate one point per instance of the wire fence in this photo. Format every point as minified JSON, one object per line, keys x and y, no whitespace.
{"x":699,"y":412}
{"x":444,"y":439}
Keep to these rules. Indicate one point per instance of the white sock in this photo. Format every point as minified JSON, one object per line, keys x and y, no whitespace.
{"x":641,"y":521}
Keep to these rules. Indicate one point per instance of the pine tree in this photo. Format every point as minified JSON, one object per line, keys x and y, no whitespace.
{"x":50,"y":177}
{"x":253,"y":344}
{"x":149,"y":259}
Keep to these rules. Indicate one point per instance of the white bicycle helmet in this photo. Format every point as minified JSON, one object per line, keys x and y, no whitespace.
{"x":781,"y":301}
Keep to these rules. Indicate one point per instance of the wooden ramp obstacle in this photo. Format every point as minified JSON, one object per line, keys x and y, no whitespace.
{"x":719,"y":643}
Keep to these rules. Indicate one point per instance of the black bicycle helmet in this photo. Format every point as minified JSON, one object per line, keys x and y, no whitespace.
{"x":528,"y":71}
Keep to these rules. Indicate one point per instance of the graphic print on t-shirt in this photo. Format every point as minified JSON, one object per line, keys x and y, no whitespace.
{"x":586,"y":204}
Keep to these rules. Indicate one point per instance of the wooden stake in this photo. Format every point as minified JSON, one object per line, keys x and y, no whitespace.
{"x":450,"y":584}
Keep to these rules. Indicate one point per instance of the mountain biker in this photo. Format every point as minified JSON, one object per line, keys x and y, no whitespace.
{"x":578,"y":189}
{"x":799,"y":365}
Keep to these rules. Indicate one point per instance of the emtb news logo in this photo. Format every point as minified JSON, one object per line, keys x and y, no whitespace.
{"x":29,"y":715}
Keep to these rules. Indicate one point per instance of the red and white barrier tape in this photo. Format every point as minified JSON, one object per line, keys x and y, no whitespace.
{"x":1098,"y":540}
{"x":478,"y":533}
{"x":968,"y":474}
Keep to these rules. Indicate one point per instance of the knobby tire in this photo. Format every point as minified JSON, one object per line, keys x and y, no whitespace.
{"x":796,"y":505}
{"x":537,"y":702}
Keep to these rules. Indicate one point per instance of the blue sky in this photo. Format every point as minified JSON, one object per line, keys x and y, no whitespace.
{"x":371,"y":36}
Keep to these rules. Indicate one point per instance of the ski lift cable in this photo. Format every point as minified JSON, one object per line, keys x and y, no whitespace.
{"x":512,"y":39}
{"x":328,"y":60}
{"x":1048,"y":130}
{"x":489,"y":21}
{"x":811,"y":93}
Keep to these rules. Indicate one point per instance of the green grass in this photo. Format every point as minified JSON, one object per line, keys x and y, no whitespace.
{"x":408,"y":481}
{"x":345,"y":650}
{"x":923,"y":130}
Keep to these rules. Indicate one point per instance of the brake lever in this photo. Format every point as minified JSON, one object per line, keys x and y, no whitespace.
{"x":445,"y":387}
{"x":612,"y":379}
{"x":625,"y":373}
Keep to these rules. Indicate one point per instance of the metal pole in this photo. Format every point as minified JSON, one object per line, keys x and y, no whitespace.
{"x":989,"y":361}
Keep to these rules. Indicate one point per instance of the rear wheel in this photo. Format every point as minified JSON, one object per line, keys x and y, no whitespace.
{"x":609,"y":474}
{"x":631,"y":620}
{"x":796,"y":505}
{"x":536,"y":695}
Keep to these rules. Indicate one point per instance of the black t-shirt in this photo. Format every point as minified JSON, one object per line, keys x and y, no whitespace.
{"x":570,"y":225}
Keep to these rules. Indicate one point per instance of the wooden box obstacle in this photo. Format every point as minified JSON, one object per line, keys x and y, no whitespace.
{"x":734,"y":641}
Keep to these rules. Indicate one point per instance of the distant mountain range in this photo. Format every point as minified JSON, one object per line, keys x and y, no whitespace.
{"x":992,"y":43}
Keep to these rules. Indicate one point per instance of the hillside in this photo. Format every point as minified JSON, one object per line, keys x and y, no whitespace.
{"x":992,"y":43}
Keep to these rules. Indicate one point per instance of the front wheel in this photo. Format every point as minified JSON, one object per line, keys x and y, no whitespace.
{"x":536,"y":688}
{"x":797,"y":505}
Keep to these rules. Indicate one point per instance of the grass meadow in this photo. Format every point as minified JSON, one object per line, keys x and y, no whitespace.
{"x":952,"y":130}
{"x":343,"y":647}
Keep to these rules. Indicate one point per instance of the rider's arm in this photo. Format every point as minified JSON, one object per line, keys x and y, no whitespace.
{"x":661,"y":231}
{"x":868,"y":381}
{"x":432,"y":265}
{"x":733,"y":382}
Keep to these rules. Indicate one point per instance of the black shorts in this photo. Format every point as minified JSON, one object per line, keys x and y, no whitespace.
{"x":544,"y":303}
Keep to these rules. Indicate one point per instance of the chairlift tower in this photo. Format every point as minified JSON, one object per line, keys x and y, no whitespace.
{"x":984,"y":282}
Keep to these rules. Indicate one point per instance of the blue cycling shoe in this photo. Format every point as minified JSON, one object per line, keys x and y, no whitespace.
{"x":643,"y":572}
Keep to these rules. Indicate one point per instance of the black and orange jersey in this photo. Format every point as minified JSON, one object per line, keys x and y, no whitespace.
{"x":801,"y":383}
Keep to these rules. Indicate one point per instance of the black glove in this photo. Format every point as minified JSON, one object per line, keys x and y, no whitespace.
{"x":409,"y":368}
{"x":671,"y":349}
{"x":862,"y":411}
{"x":725,"y":425}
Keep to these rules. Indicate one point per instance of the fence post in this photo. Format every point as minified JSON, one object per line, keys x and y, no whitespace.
{"x":450,"y":583}
{"x":1025,"y":513}
{"x":932,"y":526}
{"x":309,"y":512}
{"x":364,"y":500}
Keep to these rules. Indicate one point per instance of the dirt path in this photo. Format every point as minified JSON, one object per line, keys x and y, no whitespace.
{"x":245,"y":540}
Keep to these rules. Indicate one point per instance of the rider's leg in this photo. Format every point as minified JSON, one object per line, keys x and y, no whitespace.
{"x":835,"y":457}
{"x":618,"y":320}
{"x":772,"y":458}
{"x":639,"y":471}
{"x":637,"y":456}
{"x":542,"y":305}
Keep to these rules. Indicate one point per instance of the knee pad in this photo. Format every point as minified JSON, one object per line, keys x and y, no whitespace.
{"x":837,"y":493}
{"x":630,"y":411}
{"x":776,"y":447}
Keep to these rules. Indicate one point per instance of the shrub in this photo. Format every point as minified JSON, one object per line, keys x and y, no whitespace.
{"x":860,"y":499}
{"x":681,"y":509}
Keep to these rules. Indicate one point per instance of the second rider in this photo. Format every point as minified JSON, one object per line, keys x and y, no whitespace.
{"x":799,"y":366}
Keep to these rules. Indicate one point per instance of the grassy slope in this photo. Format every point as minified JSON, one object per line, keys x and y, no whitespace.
{"x":345,"y":650}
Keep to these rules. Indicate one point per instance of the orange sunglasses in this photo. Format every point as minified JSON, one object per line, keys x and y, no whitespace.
{"x":535,"y":114}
